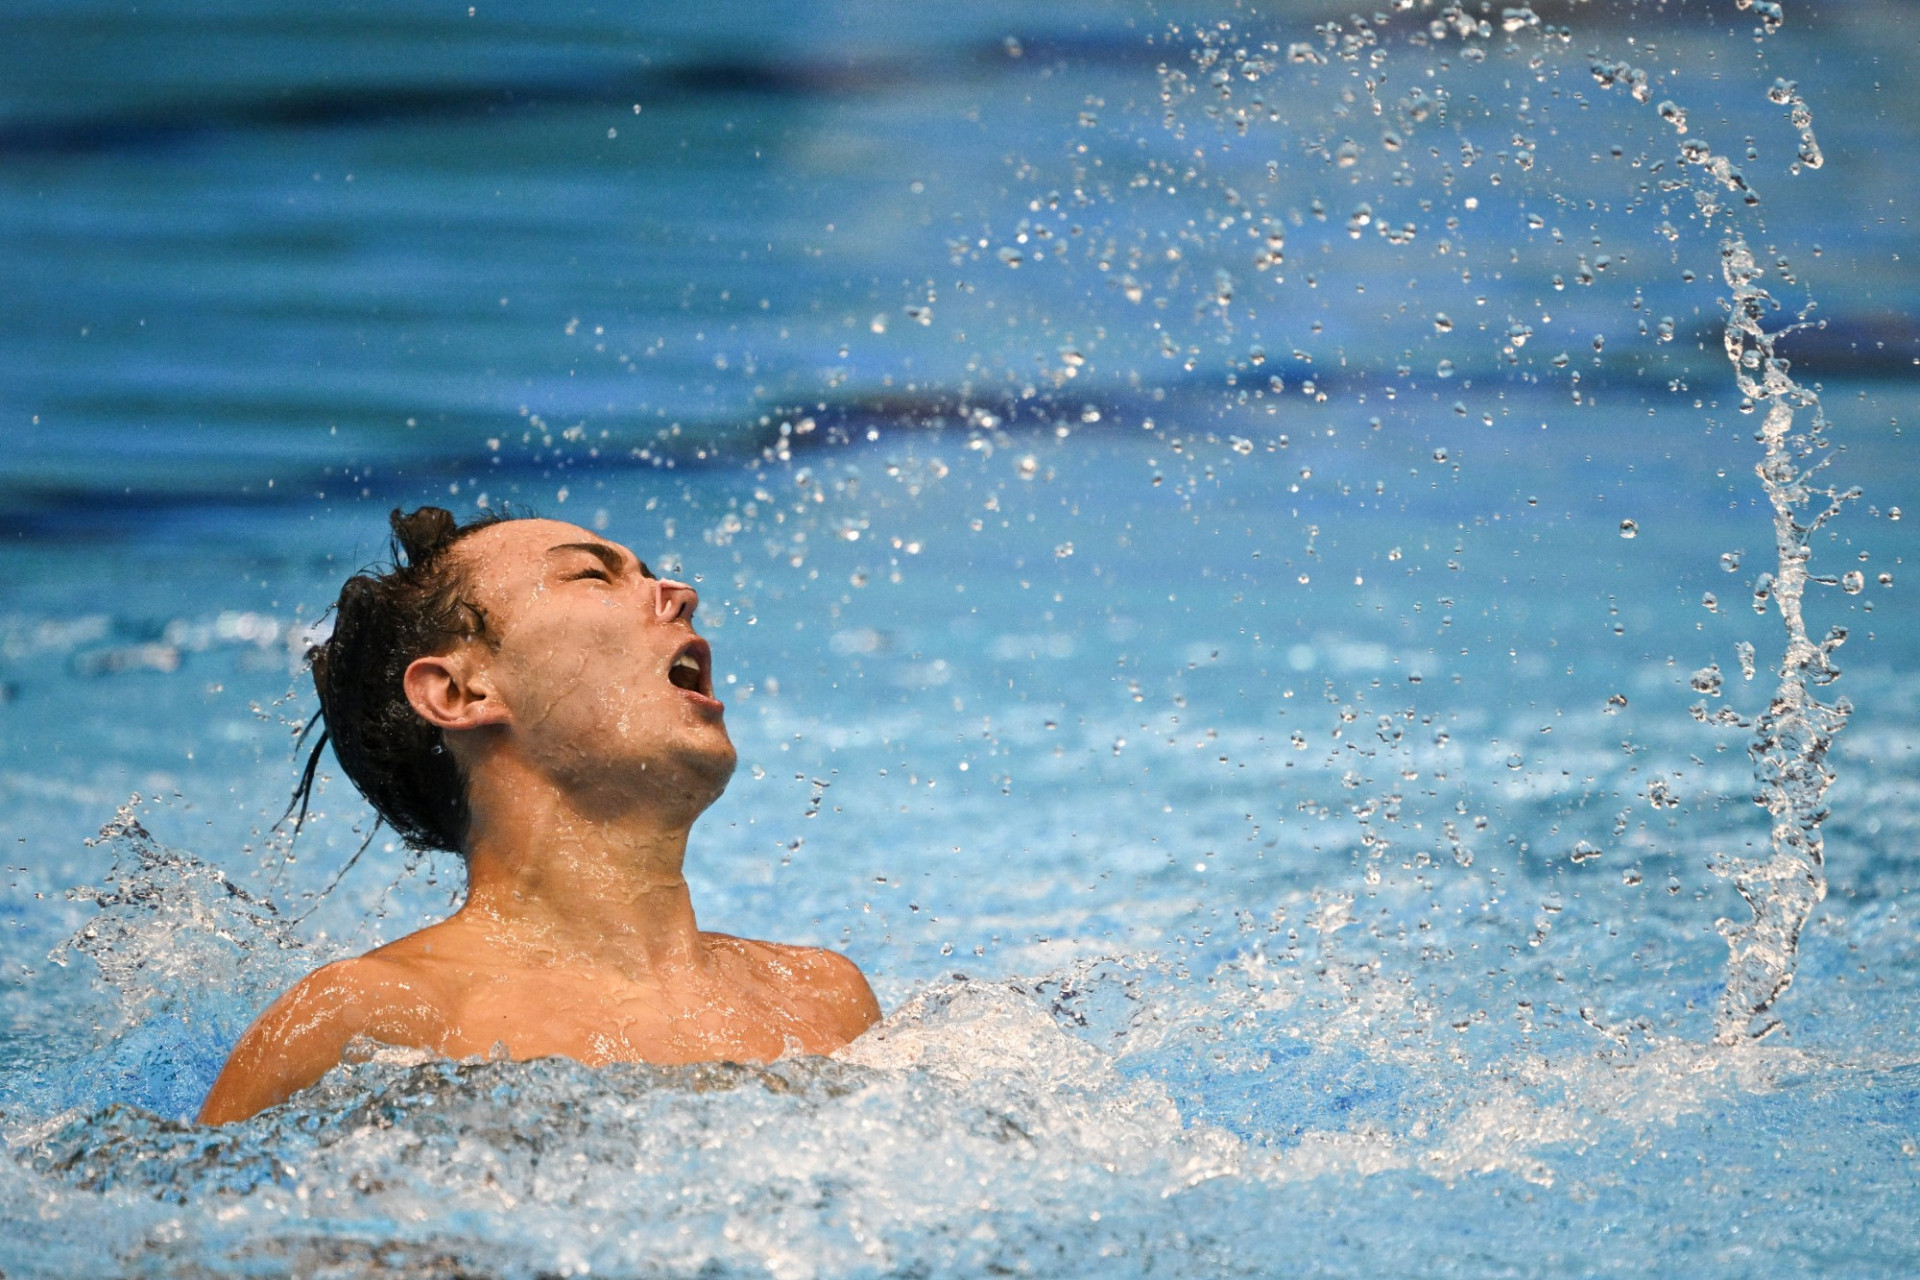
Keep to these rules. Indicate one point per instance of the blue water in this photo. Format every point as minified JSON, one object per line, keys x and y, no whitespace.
{"x":1271,"y":814}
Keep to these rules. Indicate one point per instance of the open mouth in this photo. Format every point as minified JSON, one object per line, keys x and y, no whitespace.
{"x":692,"y":669}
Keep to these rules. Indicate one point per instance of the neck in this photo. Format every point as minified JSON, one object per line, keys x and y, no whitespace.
{"x":605,"y":888}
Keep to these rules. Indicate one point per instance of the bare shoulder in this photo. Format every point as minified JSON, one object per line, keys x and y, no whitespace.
{"x":833,"y":987}
{"x":385,"y":989}
{"x":302,"y":1034}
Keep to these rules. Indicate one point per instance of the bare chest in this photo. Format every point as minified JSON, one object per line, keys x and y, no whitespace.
{"x":602,"y":1018}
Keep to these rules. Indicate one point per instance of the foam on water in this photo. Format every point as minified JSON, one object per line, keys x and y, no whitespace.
{"x":1127,"y":1109}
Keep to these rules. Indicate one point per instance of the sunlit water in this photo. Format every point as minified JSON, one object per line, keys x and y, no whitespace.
{"x":1191,"y":635}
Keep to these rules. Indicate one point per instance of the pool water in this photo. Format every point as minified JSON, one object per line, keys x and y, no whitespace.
{"x":1210,"y":616}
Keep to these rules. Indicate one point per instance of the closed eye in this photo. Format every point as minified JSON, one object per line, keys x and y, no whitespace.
{"x":607,"y":563}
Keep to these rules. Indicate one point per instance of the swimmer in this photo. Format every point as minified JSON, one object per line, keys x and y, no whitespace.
{"x":532,"y":695}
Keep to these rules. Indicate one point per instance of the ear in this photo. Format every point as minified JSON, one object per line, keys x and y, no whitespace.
{"x":450,"y":693}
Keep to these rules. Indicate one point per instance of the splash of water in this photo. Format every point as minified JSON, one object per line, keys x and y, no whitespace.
{"x":1792,"y":737}
{"x":185,"y":956}
{"x":1772,"y":16}
{"x":1786,"y":93}
{"x":980,"y":1120}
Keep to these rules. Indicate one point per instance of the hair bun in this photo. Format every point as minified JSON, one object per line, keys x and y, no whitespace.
{"x":423,"y":532}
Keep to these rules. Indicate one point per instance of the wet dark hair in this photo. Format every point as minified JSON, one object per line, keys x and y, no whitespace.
{"x":382,"y":622}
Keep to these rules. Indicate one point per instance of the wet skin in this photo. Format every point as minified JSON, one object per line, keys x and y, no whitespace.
{"x":590,"y":739}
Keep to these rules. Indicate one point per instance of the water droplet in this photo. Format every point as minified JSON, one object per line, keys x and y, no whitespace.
{"x":1629,"y":529}
{"x":1585,"y":851}
{"x":1853,"y":583}
{"x":1730,"y":560}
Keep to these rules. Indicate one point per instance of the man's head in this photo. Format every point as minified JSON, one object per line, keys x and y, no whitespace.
{"x":529,"y":648}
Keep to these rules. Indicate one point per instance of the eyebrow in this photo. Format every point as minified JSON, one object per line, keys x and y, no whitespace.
{"x":603,"y":553}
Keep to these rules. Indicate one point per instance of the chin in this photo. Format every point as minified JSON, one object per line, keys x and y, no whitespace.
{"x":724,"y":762}
{"x":708,"y":766}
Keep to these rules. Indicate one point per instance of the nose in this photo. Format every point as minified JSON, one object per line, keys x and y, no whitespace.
{"x":674,"y":601}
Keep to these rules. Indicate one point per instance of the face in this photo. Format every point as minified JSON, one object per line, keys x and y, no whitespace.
{"x":603,"y":684}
